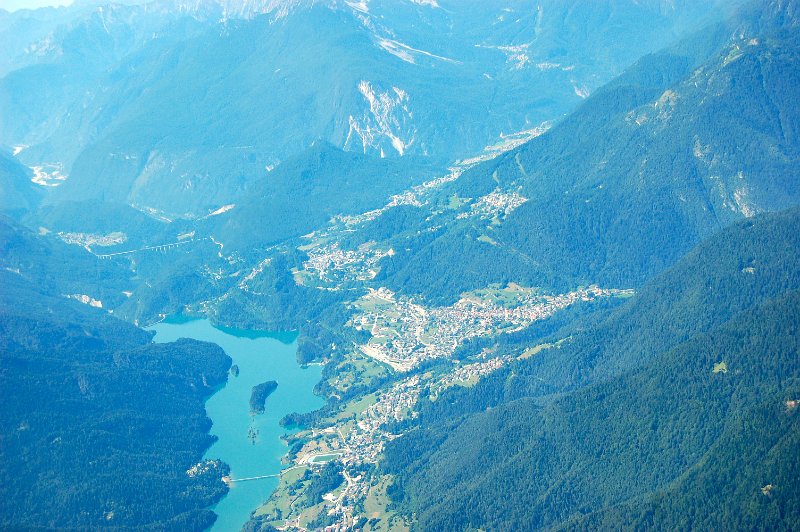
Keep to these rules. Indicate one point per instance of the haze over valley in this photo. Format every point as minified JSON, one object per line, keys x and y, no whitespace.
{"x":400,"y":265}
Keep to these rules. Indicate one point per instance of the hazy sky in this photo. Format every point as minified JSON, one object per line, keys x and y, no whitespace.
{"x":13,"y":5}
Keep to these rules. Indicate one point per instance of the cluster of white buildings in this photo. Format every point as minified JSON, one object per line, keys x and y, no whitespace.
{"x":333,"y":265}
{"x":365,"y":441}
{"x":87,"y":240}
{"x":468,"y":372}
{"x":496,"y":204}
{"x":405,"y":333}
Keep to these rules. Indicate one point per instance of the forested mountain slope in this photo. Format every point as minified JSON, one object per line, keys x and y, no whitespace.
{"x":673,"y":150}
{"x":58,"y":268}
{"x":18,"y":194}
{"x":99,"y":426}
{"x":677,"y":411}
{"x":306,"y":191}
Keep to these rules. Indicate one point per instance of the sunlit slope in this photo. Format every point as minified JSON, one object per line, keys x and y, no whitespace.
{"x":677,"y":410}
{"x":655,"y":161}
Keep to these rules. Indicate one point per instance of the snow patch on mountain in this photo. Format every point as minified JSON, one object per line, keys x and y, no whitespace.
{"x":407,"y":53}
{"x":581,"y":92}
{"x":230,"y":9}
{"x":221,"y":210}
{"x":86,"y":300}
{"x":45,"y":47}
{"x":516,"y":56}
{"x":385,"y":124}
{"x":248,"y":9}
{"x":48,"y":174}
{"x":361,"y":5}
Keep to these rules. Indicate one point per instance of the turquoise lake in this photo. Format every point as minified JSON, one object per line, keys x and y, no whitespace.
{"x":261,"y":357}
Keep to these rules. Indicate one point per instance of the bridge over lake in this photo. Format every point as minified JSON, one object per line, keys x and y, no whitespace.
{"x":275,"y":475}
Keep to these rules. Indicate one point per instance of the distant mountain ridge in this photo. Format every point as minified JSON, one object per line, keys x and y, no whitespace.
{"x":143,"y":122}
{"x":677,"y":147}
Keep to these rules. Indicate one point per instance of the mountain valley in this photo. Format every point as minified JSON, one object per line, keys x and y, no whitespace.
{"x":546,"y":253}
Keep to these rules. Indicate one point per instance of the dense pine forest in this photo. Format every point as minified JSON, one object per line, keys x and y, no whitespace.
{"x":99,"y":426}
{"x":675,"y":411}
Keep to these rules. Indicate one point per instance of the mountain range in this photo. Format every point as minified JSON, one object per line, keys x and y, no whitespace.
{"x":546,"y":252}
{"x":126,"y":100}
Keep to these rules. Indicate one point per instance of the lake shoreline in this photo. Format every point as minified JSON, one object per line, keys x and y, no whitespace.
{"x":253,"y":445}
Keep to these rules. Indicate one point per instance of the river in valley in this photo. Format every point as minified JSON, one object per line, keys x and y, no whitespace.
{"x":250,"y":444}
